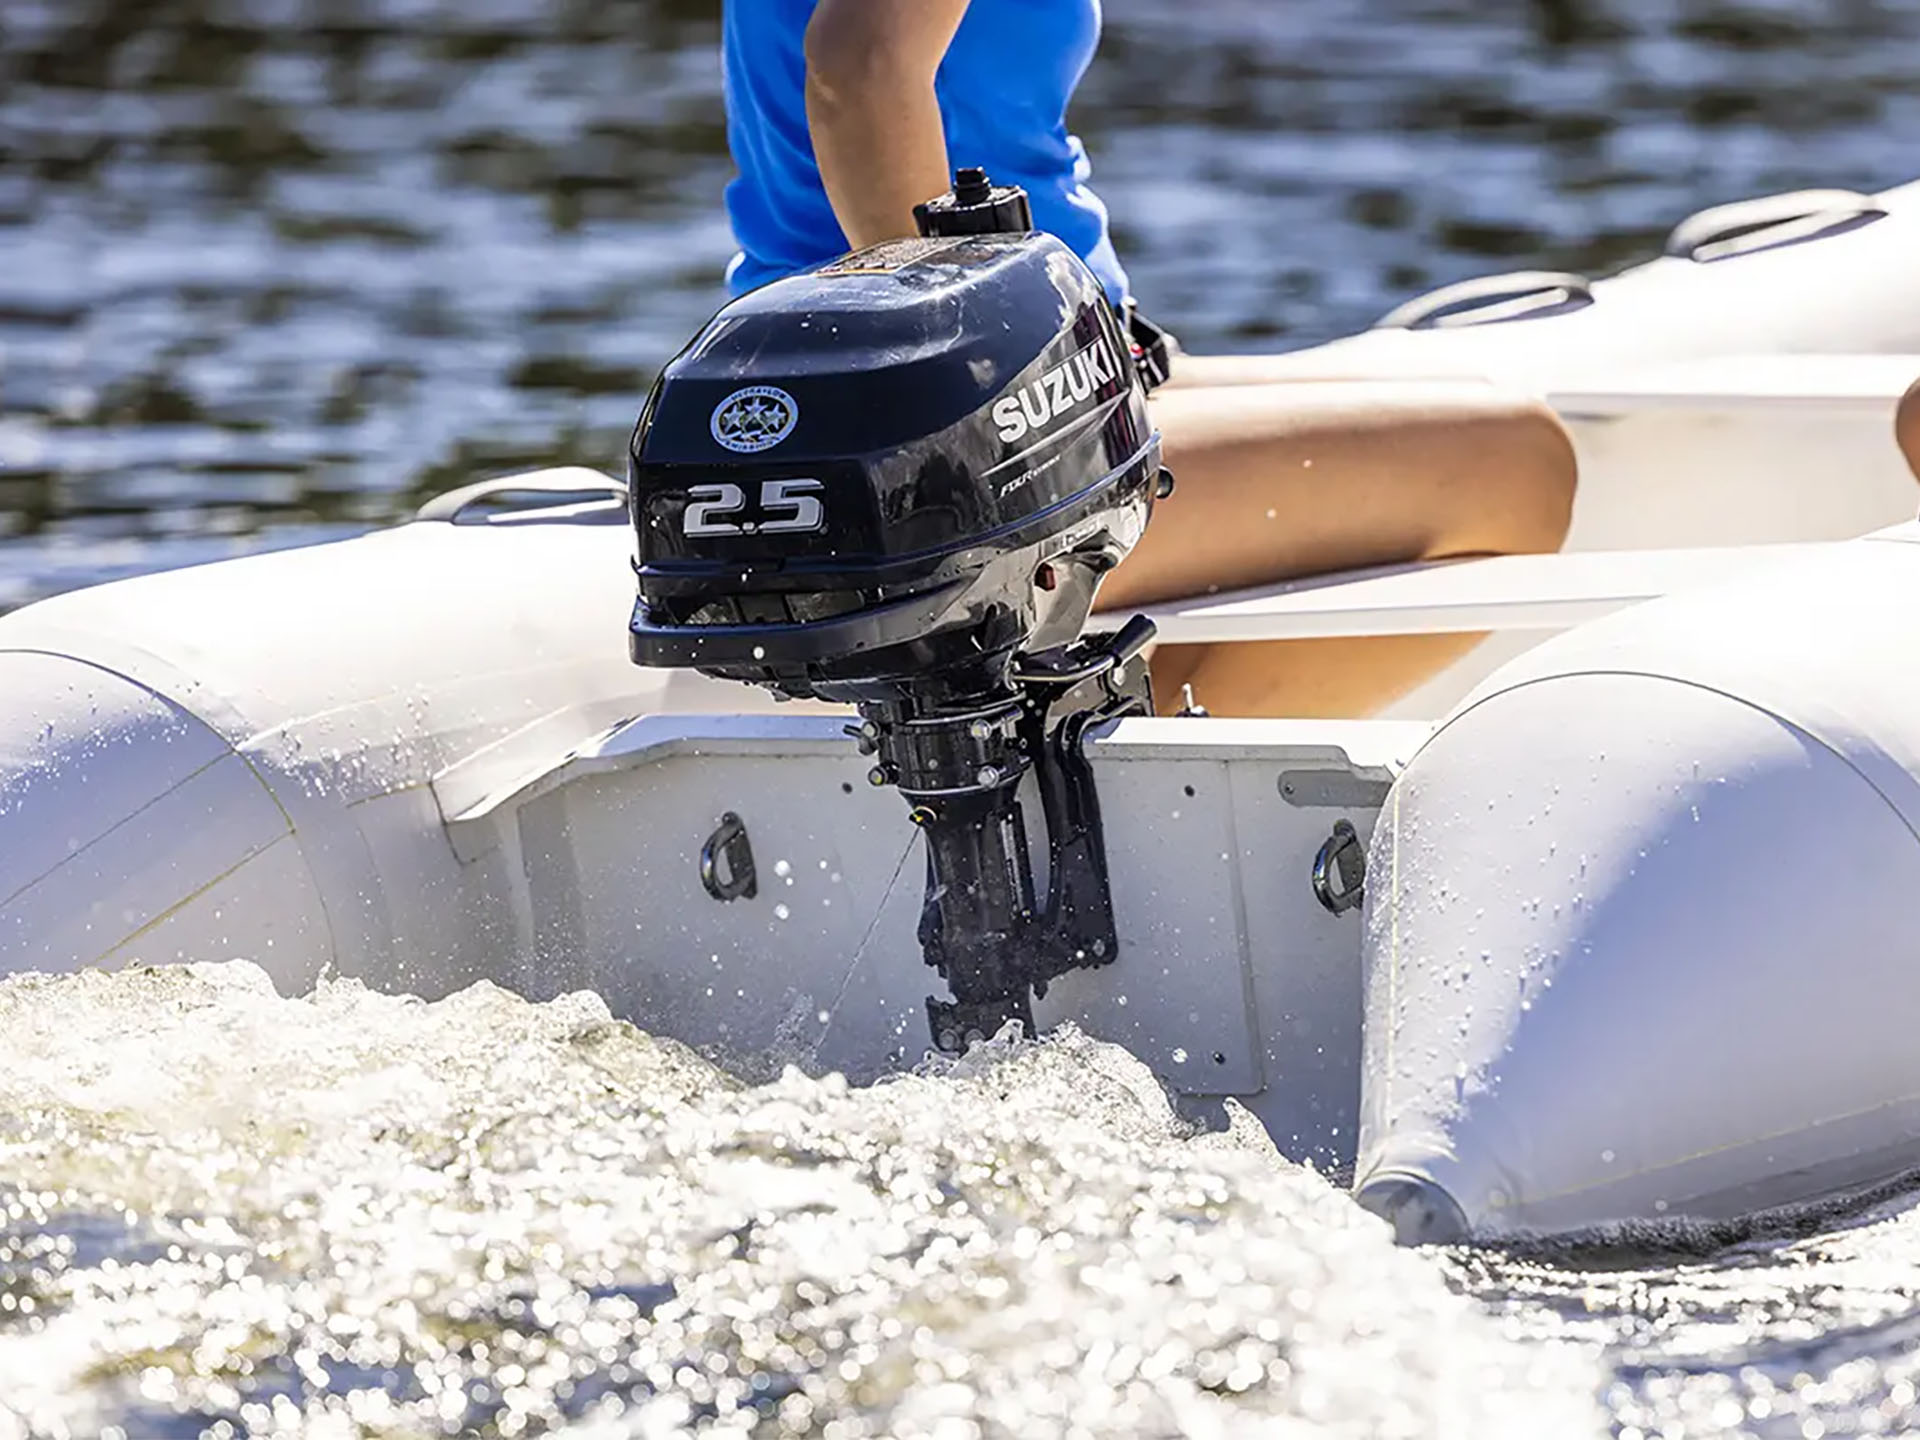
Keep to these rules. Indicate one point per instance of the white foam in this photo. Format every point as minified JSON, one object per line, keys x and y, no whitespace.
{"x":391,"y":1213}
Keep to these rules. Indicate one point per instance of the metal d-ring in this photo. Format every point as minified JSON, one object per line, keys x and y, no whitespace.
{"x":729,"y":842}
{"x":1343,"y":856}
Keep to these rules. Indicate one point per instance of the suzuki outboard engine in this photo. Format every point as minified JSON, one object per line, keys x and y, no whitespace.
{"x":896,"y":481}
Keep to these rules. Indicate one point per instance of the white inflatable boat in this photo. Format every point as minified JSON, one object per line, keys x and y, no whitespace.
{"x":1632,"y":943}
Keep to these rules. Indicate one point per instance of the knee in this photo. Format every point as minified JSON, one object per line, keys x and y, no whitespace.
{"x":1524,"y":472}
{"x":1906,"y":427}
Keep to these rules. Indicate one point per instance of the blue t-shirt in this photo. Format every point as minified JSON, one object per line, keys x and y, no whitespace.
{"x":1003,"y":89}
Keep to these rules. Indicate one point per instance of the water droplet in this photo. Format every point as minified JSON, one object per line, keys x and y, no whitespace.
{"x":1606,"y":1157}
{"x":1179,"y":1055}
{"x":781,"y":867}
{"x":781,"y":912}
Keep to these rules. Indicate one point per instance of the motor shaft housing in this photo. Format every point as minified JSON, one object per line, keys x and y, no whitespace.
{"x":896,"y":481}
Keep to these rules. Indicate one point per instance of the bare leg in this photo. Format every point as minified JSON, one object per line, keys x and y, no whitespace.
{"x":1279,"y":481}
{"x":1906,"y":427}
{"x":1304,"y":679}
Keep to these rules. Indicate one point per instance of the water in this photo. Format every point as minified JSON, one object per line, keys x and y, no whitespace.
{"x":235,"y":1213}
{"x":278,"y":269}
{"x":238,"y":1213}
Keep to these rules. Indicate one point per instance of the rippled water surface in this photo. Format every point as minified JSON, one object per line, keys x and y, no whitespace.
{"x":277,"y":269}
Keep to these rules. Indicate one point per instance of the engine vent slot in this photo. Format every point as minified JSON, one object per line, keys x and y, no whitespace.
{"x":1747,"y":227}
{"x":765,"y":608}
{"x":1492,"y":300}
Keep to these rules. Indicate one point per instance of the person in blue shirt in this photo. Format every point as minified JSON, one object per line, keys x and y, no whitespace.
{"x":842,"y":115}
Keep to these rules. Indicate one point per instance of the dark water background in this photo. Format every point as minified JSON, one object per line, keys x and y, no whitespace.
{"x":277,"y":269}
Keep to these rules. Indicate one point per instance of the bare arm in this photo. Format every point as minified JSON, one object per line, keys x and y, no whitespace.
{"x":871,"y":109}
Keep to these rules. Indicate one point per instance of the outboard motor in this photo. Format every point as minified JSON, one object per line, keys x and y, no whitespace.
{"x":896,"y":481}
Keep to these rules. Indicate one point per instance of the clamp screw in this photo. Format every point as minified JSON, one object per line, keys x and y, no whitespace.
{"x":878,"y":776}
{"x":987,"y":775}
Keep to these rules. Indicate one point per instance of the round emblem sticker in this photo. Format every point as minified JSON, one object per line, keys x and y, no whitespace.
{"x":756,"y":418}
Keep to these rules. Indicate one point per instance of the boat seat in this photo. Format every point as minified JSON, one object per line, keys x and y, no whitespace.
{"x":1504,"y":592}
{"x":1827,"y":386}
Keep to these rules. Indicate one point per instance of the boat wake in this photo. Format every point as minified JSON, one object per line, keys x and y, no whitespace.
{"x":353,"y":1214}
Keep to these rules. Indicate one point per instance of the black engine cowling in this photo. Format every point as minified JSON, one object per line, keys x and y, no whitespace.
{"x":919,"y":458}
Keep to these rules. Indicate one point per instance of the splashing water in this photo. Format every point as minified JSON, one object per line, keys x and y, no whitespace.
{"x":353,"y":1214}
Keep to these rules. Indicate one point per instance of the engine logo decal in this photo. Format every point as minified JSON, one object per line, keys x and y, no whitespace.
{"x":1090,"y":372}
{"x":754,"y":419}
